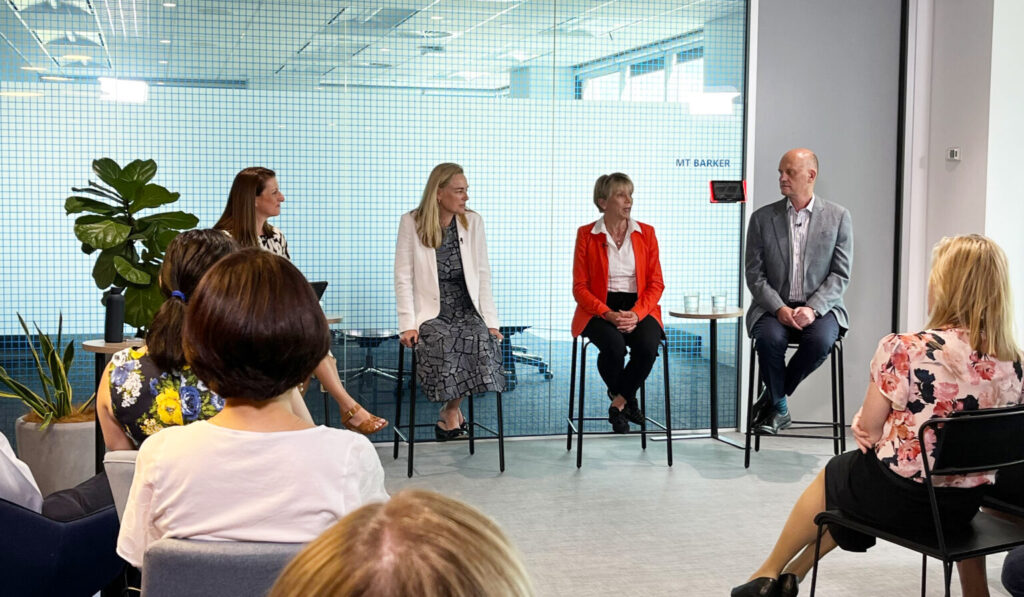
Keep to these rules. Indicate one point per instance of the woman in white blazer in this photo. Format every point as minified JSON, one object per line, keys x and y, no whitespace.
{"x":443,"y":293}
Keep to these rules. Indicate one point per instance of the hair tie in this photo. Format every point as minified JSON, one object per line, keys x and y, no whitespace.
{"x":179,"y":295}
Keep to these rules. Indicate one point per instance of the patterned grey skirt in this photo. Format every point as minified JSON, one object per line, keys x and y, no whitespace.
{"x":456,"y":355}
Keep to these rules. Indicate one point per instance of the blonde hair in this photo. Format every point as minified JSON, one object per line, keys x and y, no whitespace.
{"x":969,"y":287}
{"x":606,"y":186}
{"x":418,"y":543}
{"x":427,"y":215}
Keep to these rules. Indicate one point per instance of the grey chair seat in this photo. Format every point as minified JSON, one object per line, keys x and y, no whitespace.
{"x":190,"y":568}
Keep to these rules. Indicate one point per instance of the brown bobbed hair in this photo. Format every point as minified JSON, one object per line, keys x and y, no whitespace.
{"x":969,"y":288}
{"x":254,"y":327}
{"x":418,"y":543}
{"x":239,"y":217}
{"x":188,"y":257}
{"x":606,"y":186}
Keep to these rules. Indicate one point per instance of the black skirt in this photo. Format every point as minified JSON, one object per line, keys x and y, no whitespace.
{"x":865,"y":489}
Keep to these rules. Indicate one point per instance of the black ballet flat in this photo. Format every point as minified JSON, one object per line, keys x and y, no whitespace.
{"x":789,"y":585}
{"x":618,"y":420}
{"x":632,"y":412}
{"x":759,"y":587}
{"x":442,"y":435}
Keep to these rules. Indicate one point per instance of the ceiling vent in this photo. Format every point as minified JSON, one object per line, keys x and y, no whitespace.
{"x":369,"y":22}
{"x":425,"y":50}
{"x":428,"y":34}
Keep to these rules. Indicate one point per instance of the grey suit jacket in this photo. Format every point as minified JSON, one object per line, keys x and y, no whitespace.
{"x":828,"y":260}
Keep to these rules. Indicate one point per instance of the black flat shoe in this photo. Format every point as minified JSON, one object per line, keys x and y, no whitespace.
{"x":632,"y":412}
{"x":618,"y":420}
{"x":789,"y":585}
{"x":759,"y":587}
{"x":442,"y":435}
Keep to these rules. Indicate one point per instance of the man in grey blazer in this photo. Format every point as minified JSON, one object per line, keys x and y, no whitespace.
{"x":798,"y":261}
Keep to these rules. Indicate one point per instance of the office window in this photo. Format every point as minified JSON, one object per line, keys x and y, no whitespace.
{"x":352,"y":104}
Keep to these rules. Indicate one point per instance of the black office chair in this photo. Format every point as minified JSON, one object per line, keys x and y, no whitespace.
{"x":409,"y":436}
{"x":512,"y":355}
{"x":967,"y":442}
{"x":837,"y":425}
{"x":576,"y":426}
{"x":369,"y":339}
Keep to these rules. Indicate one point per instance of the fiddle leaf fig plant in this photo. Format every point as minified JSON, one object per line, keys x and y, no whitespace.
{"x":131,"y":247}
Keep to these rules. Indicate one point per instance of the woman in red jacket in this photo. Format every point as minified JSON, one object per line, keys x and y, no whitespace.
{"x":616,"y":281}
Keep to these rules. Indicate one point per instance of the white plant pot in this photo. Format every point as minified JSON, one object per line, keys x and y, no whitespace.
{"x":60,"y":456}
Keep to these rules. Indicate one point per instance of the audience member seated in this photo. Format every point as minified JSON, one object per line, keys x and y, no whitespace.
{"x":965,"y":360}
{"x":419,"y":543}
{"x":256,"y":471}
{"x":144,"y":390}
{"x":617,"y":283}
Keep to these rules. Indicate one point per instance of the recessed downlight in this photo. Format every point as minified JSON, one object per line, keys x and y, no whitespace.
{"x":169,"y":4}
{"x":54,"y":79}
{"x":161,"y":62}
{"x":76,"y":57}
{"x":436,"y":18}
{"x":35,"y":69}
{"x":21,"y":93}
{"x":165,"y":41}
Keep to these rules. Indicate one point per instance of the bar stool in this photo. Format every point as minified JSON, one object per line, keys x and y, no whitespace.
{"x":576,"y":426}
{"x":409,"y":436}
{"x":837,"y":424}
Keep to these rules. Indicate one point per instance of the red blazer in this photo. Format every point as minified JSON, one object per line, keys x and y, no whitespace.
{"x":590,"y":275}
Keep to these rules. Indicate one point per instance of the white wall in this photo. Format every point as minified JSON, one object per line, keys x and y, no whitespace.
{"x":1004,"y":209}
{"x":826,"y":78}
{"x":965,"y":91}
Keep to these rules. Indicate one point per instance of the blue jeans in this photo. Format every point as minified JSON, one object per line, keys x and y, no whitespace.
{"x":770,"y":341}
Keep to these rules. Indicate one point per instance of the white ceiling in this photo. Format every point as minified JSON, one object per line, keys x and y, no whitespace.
{"x":305,"y":43}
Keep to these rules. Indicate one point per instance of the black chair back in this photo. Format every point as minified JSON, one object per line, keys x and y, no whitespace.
{"x":975,"y":441}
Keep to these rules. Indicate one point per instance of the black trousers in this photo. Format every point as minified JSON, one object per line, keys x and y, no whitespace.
{"x":814,"y":343}
{"x":622,"y":377}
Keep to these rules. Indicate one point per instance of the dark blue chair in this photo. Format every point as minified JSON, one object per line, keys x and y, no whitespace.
{"x":40,"y":556}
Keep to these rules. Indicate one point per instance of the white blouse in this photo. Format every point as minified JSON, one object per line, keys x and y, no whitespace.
{"x":621,"y":261}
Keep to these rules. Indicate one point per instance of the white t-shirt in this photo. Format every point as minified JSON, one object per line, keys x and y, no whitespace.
{"x":201,"y":481}
{"x":17,"y":485}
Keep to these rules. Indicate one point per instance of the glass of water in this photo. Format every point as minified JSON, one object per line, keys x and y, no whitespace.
{"x":691,"y":303}
{"x":718,"y":303}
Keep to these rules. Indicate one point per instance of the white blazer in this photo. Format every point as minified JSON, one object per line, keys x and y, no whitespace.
{"x":417,"y":292}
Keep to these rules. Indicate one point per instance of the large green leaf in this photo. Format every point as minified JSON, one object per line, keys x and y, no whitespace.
{"x":100,"y":191}
{"x":107,"y":169}
{"x":74,"y":205}
{"x":129,"y":272}
{"x":139,"y":171}
{"x":152,"y":195}
{"x":88,"y":249}
{"x":101,"y":232}
{"x":175,"y":220}
{"x":164,"y":238}
{"x":140,"y":304}
{"x":103,"y":271}
{"x":35,"y":355}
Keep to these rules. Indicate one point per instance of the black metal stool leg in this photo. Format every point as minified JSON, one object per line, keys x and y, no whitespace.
{"x":412,"y":413}
{"x":837,"y":430}
{"x":750,"y":406}
{"x":643,"y":409}
{"x":842,"y":401}
{"x":472,"y":426}
{"x":501,"y":435}
{"x":399,"y":396}
{"x":579,"y":419}
{"x":572,"y":395}
{"x":668,"y":403}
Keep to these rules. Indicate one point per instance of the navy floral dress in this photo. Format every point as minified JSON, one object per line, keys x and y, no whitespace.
{"x":146,"y":399}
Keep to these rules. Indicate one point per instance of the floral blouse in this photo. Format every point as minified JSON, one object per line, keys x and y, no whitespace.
{"x":276,"y":243}
{"x":146,"y":399}
{"x":932,"y":374}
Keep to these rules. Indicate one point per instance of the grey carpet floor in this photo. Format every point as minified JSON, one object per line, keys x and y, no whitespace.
{"x":626,"y":524}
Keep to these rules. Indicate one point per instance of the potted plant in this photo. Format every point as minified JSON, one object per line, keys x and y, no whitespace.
{"x":131,"y":248}
{"x":56,"y":439}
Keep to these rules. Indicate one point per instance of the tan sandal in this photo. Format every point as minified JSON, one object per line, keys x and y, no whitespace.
{"x":367,"y":427}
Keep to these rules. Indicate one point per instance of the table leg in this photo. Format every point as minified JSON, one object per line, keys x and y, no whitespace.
{"x":713,"y":383}
{"x":100,"y":365}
